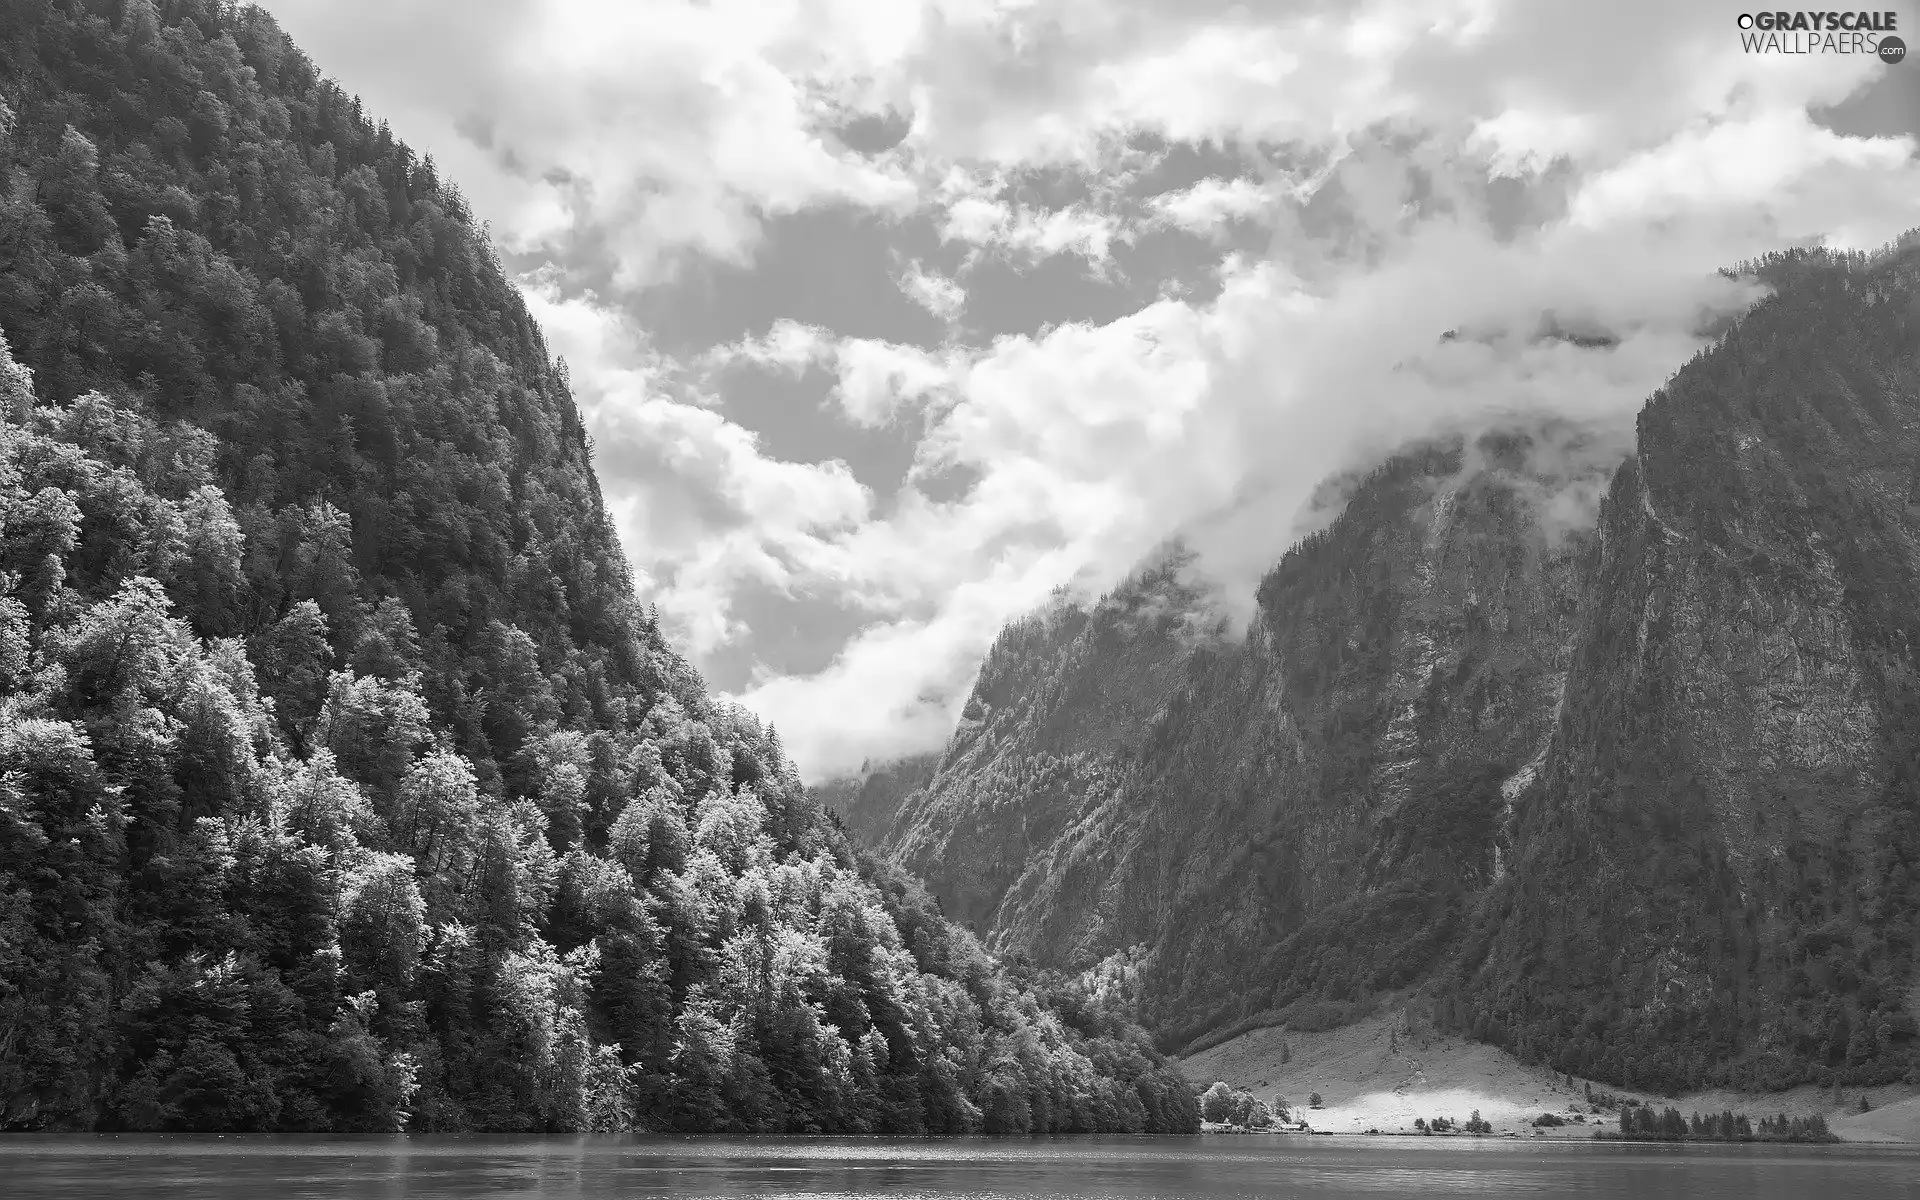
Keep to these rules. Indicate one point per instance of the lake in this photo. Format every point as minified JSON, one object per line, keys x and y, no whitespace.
{"x":1307,"y":1167}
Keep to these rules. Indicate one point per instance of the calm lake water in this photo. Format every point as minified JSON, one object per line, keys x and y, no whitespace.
{"x":1307,"y":1167}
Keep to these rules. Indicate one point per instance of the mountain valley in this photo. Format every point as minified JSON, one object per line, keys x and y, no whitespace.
{"x":1626,"y":788}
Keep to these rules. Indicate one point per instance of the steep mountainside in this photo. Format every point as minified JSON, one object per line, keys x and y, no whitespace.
{"x":1045,"y":737}
{"x":344,"y":785}
{"x":1639,"y":803}
{"x":1715,"y":874}
{"x":1302,"y":813}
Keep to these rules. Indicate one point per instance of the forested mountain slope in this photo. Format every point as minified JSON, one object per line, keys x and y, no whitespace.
{"x":1637,"y":802}
{"x":344,"y":785}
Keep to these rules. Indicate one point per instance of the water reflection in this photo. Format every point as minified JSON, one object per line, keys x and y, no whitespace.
{"x":1138,"y":1168}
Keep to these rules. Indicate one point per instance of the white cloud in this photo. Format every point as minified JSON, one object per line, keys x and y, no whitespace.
{"x":663,"y":127}
{"x":1777,"y":162}
{"x":787,"y":345}
{"x":875,"y":378}
{"x":1029,"y":233}
{"x":933,"y":291}
{"x":1209,"y":206}
{"x":699,"y":508}
{"x":890,"y":691}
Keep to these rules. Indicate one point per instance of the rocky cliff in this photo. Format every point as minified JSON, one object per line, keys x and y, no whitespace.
{"x":1714,"y":872}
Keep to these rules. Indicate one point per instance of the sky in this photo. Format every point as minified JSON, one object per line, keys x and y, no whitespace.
{"x":893,"y":319}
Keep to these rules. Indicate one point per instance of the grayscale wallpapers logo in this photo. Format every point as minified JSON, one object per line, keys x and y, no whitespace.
{"x":1823,"y":33}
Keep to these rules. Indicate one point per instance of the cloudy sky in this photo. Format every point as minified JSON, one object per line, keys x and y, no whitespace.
{"x":892,"y":317}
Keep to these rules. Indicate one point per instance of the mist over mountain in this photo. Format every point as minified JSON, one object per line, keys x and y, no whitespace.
{"x":1604,"y":757}
{"x":344,"y":783}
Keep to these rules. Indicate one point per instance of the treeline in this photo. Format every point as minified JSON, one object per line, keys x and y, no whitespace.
{"x":1641,"y":1123}
{"x":1224,"y":1104}
{"x":1475,"y":1124}
{"x":344,"y":784}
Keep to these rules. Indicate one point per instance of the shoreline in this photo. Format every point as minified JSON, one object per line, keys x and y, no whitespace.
{"x":1386,"y":1071}
{"x":1543,"y":1136}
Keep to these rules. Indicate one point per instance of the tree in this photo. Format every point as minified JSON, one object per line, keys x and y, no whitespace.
{"x":1216,"y":1103}
{"x":293,"y":655}
{"x":16,"y":382}
{"x":383,"y":923}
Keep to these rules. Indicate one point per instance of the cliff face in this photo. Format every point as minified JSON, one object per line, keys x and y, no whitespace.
{"x":1636,"y":799}
{"x":1046,"y":736}
{"x":1715,"y":870}
{"x":1330,"y":798}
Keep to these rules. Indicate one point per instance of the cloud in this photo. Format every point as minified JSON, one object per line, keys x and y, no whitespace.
{"x":1801,"y":169}
{"x":875,"y":378}
{"x":786,"y":346}
{"x":888,"y":692}
{"x":934,"y":292}
{"x":1029,"y":233}
{"x":1209,"y":206}
{"x":646,"y":131}
{"x":700,"y":510}
{"x":652,"y":130}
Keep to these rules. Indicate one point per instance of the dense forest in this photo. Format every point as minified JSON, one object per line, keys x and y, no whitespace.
{"x":344,"y":782}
